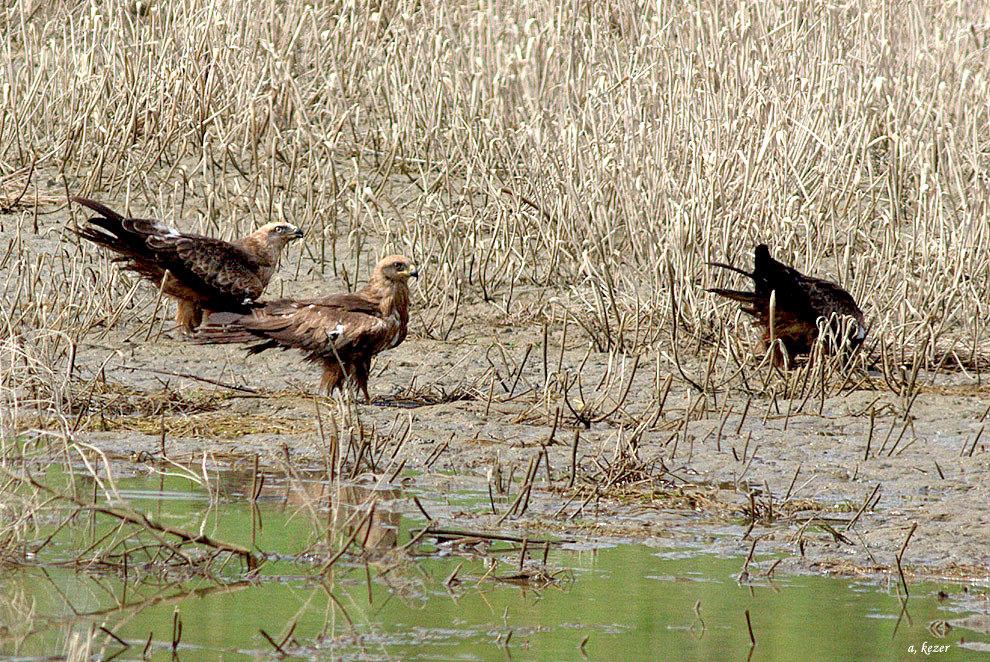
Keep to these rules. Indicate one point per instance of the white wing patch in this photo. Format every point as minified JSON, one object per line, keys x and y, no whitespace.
{"x":166,"y":231}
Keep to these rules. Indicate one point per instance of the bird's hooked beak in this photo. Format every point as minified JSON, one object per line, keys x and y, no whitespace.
{"x":298,"y":234}
{"x":413,"y":271}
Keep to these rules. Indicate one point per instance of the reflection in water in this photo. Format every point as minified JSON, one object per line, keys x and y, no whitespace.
{"x":629,"y":601}
{"x":354,"y":510}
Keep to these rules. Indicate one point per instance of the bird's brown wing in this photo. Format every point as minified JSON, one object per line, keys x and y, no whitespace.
{"x":210,"y":271}
{"x":800,"y":302}
{"x":215,"y":269}
{"x":842,"y":316}
{"x":827,"y":298}
{"x":341,"y":326}
{"x":791,"y":286}
{"x":794,"y":322}
{"x":324,"y":332}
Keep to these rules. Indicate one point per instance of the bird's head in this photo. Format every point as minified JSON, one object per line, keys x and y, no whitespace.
{"x":281,"y":233}
{"x":397,"y":268}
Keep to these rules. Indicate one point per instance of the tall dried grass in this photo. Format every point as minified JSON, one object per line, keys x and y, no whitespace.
{"x":571,"y":146}
{"x":555,"y":159}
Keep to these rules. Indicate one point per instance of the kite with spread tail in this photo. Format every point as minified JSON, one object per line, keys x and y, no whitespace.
{"x":799,"y":303}
{"x":200,"y":273}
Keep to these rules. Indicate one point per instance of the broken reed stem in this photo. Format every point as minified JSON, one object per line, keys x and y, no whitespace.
{"x":862,"y":508}
{"x":574,"y":452}
{"x":176,"y":630}
{"x":673,"y":330}
{"x":742,"y":419}
{"x":271,"y":641}
{"x":721,"y":427}
{"x":524,"y":491}
{"x":907,"y":422}
{"x":255,"y":488}
{"x":972,"y":446}
{"x":662,"y":400}
{"x":491,"y":499}
{"x":869,"y":437}
{"x":436,"y":454}
{"x":790,"y":487}
{"x":419,"y":505}
{"x":461,"y":533}
{"x":752,"y":552}
{"x":365,"y":521}
{"x":592,"y":493}
{"x":130,"y":516}
{"x":900,"y":555}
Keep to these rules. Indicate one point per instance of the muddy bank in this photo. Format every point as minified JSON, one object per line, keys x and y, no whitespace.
{"x":835,"y":486}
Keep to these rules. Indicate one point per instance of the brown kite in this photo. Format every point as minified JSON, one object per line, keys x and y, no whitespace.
{"x":800,"y":303}
{"x":342,"y":332}
{"x":201,"y":273}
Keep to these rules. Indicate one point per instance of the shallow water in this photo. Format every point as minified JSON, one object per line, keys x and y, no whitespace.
{"x":620,"y":602}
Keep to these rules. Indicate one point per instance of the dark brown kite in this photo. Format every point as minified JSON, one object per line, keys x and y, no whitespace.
{"x":201,"y":273}
{"x":800,"y":303}
{"x":341,"y":332}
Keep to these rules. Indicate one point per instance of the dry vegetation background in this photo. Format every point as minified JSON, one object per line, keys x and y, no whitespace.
{"x":580,"y":149}
{"x":563,"y":172}
{"x":542,"y":160}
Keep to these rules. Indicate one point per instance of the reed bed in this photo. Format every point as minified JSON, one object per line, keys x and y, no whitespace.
{"x":573,"y":148}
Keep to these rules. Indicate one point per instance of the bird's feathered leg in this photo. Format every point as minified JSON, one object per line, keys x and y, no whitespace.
{"x":188,"y":315}
{"x":360,"y":374}
{"x":333,"y":377}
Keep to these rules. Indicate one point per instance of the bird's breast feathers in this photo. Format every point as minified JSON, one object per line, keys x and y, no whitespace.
{"x":396,"y":323}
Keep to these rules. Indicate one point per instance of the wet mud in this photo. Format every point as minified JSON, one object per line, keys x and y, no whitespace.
{"x":747,"y":471}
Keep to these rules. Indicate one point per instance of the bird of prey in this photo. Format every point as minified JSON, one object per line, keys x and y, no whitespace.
{"x":800,"y":303}
{"x":341,"y":332}
{"x":200,"y":273}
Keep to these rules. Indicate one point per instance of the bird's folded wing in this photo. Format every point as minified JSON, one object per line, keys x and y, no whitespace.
{"x":827,"y":298}
{"x":213,"y":267}
{"x":319,"y":326}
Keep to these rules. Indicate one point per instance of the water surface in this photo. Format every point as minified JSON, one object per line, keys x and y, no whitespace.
{"x":620,"y":602}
